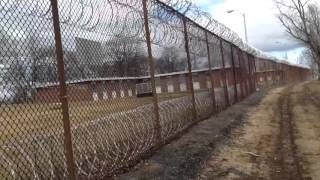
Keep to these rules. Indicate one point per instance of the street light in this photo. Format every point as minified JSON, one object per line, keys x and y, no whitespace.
{"x":244,"y":22}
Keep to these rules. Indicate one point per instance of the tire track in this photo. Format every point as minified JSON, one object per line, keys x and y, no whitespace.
{"x":289,"y":160}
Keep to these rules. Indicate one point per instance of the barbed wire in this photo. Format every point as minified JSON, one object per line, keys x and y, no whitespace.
{"x":111,"y":17}
{"x":105,"y":58}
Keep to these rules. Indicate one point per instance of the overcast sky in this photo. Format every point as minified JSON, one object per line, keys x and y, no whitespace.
{"x":264,"y":30}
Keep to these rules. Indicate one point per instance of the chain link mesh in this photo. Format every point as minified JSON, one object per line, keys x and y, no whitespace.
{"x":110,"y":96}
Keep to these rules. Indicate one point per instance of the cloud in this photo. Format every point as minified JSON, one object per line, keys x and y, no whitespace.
{"x":264,"y":29}
{"x":207,"y":3}
{"x":292,"y":55}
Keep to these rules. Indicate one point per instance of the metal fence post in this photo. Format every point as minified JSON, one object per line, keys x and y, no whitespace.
{"x":241,"y":74}
{"x":255,"y":74}
{"x":283,"y":69}
{"x":284,"y":74}
{"x":279,"y":73}
{"x":246,"y":79}
{"x":63,"y":92}
{"x":249,"y":73}
{"x":272,"y":73}
{"x":152,"y":73}
{"x":186,"y":38}
{"x":275,"y":72}
{"x":225,"y":86}
{"x":211,"y":73}
{"x":266,"y":73}
{"x":252,"y":73}
{"x":234,"y":76}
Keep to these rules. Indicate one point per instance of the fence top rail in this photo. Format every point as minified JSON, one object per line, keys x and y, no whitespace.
{"x":193,"y":22}
{"x":220,"y":38}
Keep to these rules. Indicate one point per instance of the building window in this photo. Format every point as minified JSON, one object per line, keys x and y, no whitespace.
{"x":105,"y":95}
{"x":170,"y":88}
{"x":158,"y":89}
{"x":196,"y":85}
{"x":114,"y":94}
{"x":183,"y":87}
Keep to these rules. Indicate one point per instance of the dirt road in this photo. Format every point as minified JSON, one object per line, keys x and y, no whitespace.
{"x":280,"y":139}
{"x":272,"y":135}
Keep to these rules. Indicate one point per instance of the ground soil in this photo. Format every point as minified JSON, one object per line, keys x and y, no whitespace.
{"x":274,"y":134}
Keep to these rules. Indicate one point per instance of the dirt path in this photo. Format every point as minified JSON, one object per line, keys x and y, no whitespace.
{"x":185,"y":157}
{"x":251,"y":154}
{"x":287,"y":149}
{"x":272,"y":135}
{"x":280,"y":141}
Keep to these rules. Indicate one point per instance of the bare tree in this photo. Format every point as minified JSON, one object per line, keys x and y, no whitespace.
{"x":170,"y":61}
{"x":127,"y":56}
{"x":307,"y":58}
{"x":301,"y":19}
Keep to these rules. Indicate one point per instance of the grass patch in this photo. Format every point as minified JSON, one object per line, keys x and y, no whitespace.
{"x":23,"y":120}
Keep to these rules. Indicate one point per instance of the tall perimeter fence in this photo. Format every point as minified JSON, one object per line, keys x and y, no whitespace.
{"x":88,"y":87}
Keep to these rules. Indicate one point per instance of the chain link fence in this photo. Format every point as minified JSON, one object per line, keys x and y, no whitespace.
{"x":88,"y":87}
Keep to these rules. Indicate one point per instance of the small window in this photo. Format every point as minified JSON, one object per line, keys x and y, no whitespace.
{"x":95,"y":96}
{"x":114,"y":94}
{"x":196,"y":85}
{"x":158,"y":89}
{"x":209,"y":84}
{"x":183,"y":87}
{"x":170,"y":88}
{"x":130,"y":93}
{"x":105,"y":95}
{"x":122,"y":93}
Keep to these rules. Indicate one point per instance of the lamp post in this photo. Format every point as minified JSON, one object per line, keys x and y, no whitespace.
{"x":244,"y":23}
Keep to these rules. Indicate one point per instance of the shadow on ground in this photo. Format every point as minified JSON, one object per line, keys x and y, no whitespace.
{"x":184,"y":157}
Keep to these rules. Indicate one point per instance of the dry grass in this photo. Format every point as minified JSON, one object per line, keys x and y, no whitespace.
{"x":23,"y":120}
{"x":114,"y":132}
{"x":306,"y":116}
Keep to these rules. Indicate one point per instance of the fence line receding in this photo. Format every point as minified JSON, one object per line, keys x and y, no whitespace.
{"x":88,"y":87}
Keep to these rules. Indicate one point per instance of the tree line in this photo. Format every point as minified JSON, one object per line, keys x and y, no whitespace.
{"x":301,"y":20}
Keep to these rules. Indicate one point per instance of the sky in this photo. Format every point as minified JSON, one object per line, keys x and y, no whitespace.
{"x":264,"y":29}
